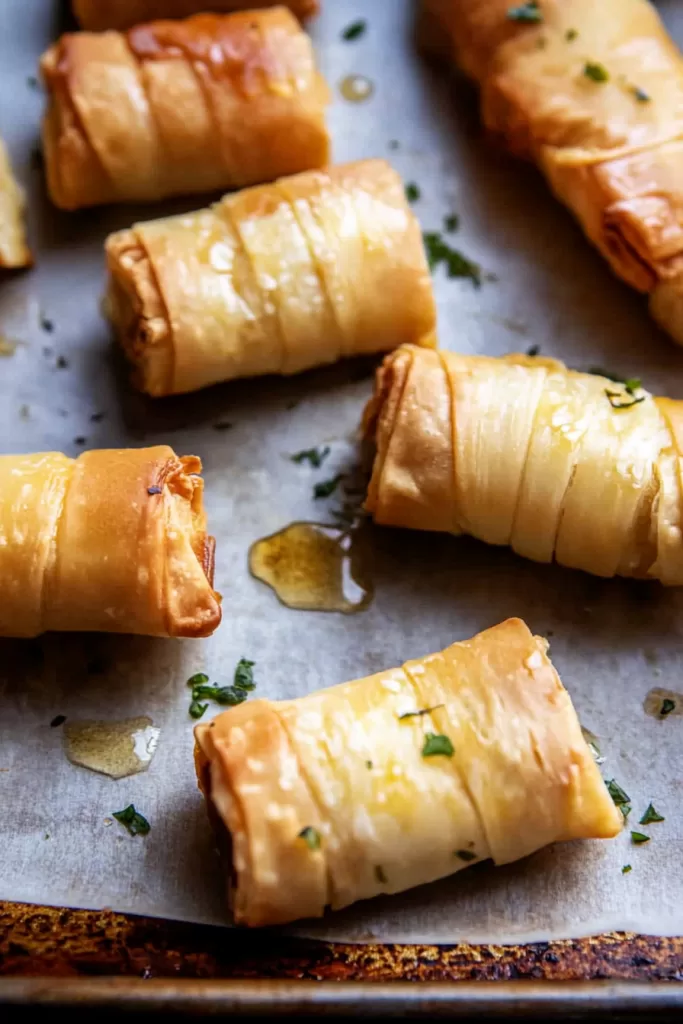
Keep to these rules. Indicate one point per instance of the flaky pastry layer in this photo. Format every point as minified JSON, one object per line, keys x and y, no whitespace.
{"x":14,"y":251}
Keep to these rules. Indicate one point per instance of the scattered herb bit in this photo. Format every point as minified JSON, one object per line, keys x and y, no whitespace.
{"x":619,"y":796}
{"x":380,"y":874}
{"x":533,"y":350}
{"x":639,"y":837}
{"x":416,"y":714}
{"x":96,"y":417}
{"x":596,"y":72}
{"x":136,"y":824}
{"x":62,"y":362}
{"x":368,"y":765}
{"x":57,"y":720}
{"x":466,"y":855}
{"x":314,"y":456}
{"x":327,"y":487}
{"x":667,"y":707}
{"x":626,"y":868}
{"x":633,"y":384}
{"x":46,"y":324}
{"x":625,"y":810}
{"x":528,"y":14}
{"x":197,"y":709}
{"x":80,"y":440}
{"x":614,"y":396}
{"x":570,"y":35}
{"x":244,"y":675}
{"x":154,"y":490}
{"x":355,"y":30}
{"x":650,"y":816}
{"x":640,"y":95}
{"x":222,"y":425}
{"x":226,"y":696}
{"x":198,"y":679}
{"x":32,"y":82}
{"x":311,"y":837}
{"x":457,"y":265}
{"x":412,"y":192}
{"x":436,"y":744}
{"x":393,"y":143}
{"x":451,"y":222}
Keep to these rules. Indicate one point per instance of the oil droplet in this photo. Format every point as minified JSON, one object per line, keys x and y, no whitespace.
{"x":356,"y":88}
{"x":117,"y":749}
{"x":658,"y":703}
{"x":313,"y":567}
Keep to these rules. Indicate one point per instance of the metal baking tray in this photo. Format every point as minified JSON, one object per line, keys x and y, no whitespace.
{"x":65,"y":388}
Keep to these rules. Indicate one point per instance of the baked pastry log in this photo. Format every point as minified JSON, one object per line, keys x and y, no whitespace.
{"x":14,"y":251}
{"x":113,"y":541}
{"x":395,"y":780}
{"x":521,"y":451}
{"x":593,"y":92}
{"x":96,"y":15}
{"x":177,"y":107}
{"x":274,"y":279}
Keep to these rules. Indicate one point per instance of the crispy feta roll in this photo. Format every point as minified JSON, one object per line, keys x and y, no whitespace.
{"x":14,"y":251}
{"x":97,"y":15}
{"x":395,"y":780}
{"x":593,"y":92}
{"x":113,"y":541}
{"x":176,"y":107}
{"x":523,"y":452}
{"x":273,"y":279}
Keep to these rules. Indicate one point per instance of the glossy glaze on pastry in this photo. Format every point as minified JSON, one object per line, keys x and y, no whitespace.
{"x":14,"y":251}
{"x":97,"y":15}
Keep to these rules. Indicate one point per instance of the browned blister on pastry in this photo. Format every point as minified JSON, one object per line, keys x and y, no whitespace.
{"x":274,"y":279}
{"x":391,"y":781}
{"x":97,"y":15}
{"x":14,"y":251}
{"x":177,"y":107}
{"x":113,"y":541}
{"x":593,"y":92}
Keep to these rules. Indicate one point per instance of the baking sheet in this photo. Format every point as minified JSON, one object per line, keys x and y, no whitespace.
{"x":612,"y":641}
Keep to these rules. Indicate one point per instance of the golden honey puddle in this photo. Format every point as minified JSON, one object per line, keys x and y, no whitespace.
{"x":356,"y":88}
{"x":658,"y":700}
{"x":115,"y":748}
{"x":312,"y":567}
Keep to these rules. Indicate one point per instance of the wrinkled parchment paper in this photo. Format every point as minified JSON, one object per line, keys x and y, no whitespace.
{"x":612,"y":641}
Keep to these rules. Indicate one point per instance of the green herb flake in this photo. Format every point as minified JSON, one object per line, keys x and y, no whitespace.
{"x":619,"y":796}
{"x":412,"y":192}
{"x":136,"y":824}
{"x":436,"y":744}
{"x":314,"y":456}
{"x":466,"y":855}
{"x":198,"y":679}
{"x":533,"y":350}
{"x":650,"y":816}
{"x":355,"y":30}
{"x":327,"y":487}
{"x":570,"y":35}
{"x":626,"y":868}
{"x":639,"y":837}
{"x":196,"y":709}
{"x":667,"y":707}
{"x":640,"y":95}
{"x":368,"y":765}
{"x":226,"y":696}
{"x":380,"y":874}
{"x":625,"y":810}
{"x":451,"y":222}
{"x":457,"y":265}
{"x":311,"y":837}
{"x":417,"y":714}
{"x":596,"y":72}
{"x":244,"y":675}
{"x":614,"y":398}
{"x":527,"y":14}
{"x":633,"y":384}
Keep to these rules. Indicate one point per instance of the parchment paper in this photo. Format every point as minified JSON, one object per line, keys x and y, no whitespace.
{"x":612,"y":641}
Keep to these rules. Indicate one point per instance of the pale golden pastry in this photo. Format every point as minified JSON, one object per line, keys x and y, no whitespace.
{"x":395,"y":780}
{"x":274,"y":279}
{"x":113,"y":541}
{"x":14,"y":251}
{"x":177,"y":107}
{"x":97,"y":15}
{"x":593,"y":92}
{"x":521,"y":451}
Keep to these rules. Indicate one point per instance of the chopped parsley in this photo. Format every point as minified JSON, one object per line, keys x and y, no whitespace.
{"x":62,"y":362}
{"x":626,"y":868}
{"x":46,"y":324}
{"x":650,"y":816}
{"x":57,"y":720}
{"x":416,"y":714}
{"x":311,"y":837}
{"x":436,"y":744}
{"x":136,"y":824}
{"x":667,"y":707}
{"x":619,"y":796}
{"x":380,"y":874}
{"x":226,"y":696}
{"x":528,"y":14}
{"x":457,"y":265}
{"x":198,"y":679}
{"x":314,"y":456}
{"x":625,"y":810}
{"x":327,"y":487}
{"x":639,"y":837}
{"x":32,"y":82}
{"x":466,"y":855}
{"x":244,"y":675}
{"x":197,"y":709}
{"x":533,"y":350}
{"x":596,"y":72}
{"x":570,"y":35}
{"x":614,"y":398}
{"x":412,"y":192}
{"x":640,"y":95}
{"x":355,"y":30}
{"x":451,"y":222}
{"x":154,"y":490}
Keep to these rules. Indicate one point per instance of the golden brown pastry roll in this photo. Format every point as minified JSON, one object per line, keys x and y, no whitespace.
{"x":177,"y":107}
{"x":97,"y":15}
{"x":113,"y":541}
{"x":401,"y":778}
{"x":520,"y":451}
{"x":14,"y":251}
{"x":593,"y":92}
{"x":274,"y":279}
